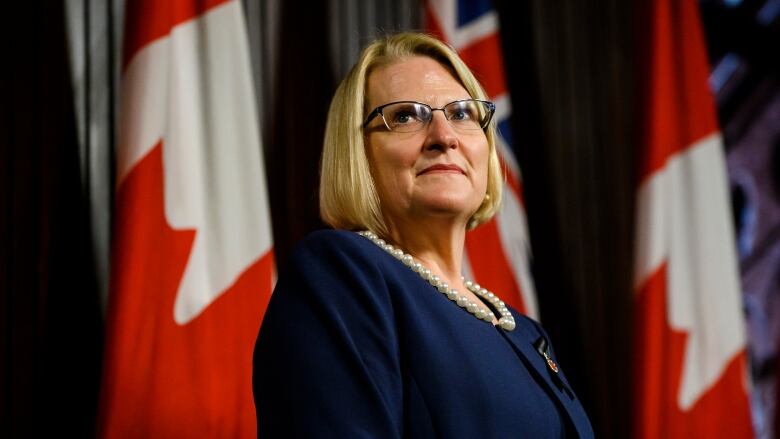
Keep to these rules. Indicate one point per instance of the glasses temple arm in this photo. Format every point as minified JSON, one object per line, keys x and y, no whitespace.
{"x":371,"y":116}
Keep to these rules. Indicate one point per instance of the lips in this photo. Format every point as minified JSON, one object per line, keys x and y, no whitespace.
{"x":442,"y":168}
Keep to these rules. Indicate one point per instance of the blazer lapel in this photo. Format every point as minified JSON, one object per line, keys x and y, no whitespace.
{"x":531,"y":345}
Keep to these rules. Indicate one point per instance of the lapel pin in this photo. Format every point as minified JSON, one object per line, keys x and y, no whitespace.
{"x":550,"y":363}
{"x":543,"y":348}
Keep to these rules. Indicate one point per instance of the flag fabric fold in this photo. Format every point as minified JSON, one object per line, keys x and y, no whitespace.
{"x":498,"y":253}
{"x":192,"y":260}
{"x":689,"y":336}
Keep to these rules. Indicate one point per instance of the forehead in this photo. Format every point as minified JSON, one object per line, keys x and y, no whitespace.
{"x":415,"y":78}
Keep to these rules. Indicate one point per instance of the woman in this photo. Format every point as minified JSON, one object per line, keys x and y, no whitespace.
{"x":376,"y":334}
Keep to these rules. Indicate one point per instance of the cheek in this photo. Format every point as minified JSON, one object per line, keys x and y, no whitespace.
{"x":390,"y":166}
{"x":481,"y":160}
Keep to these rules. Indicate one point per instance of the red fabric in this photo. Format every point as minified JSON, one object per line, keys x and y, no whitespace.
{"x":677,"y":111}
{"x":512,"y":181}
{"x":431,"y":24}
{"x":486,"y":61}
{"x":721,"y":412}
{"x":162,"y":379}
{"x":489,"y":265}
{"x":677,"y":102}
{"x":149,"y":20}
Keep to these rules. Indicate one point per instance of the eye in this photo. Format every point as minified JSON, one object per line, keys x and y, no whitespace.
{"x":404,"y":117}
{"x":405,"y":113}
{"x":461,"y":114}
{"x":462,"y":111}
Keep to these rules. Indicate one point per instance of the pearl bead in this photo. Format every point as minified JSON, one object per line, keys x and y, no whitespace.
{"x":505,"y":322}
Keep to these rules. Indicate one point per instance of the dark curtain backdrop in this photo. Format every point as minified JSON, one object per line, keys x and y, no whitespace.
{"x":50,"y":320}
{"x":295,"y":125}
{"x":570,"y":70}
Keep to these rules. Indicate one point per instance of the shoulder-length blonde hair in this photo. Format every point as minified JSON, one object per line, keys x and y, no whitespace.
{"x":348,"y":195}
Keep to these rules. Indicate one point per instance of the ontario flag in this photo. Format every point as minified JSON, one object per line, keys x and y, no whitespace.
{"x":192,"y":266}
{"x":497,"y":252}
{"x":689,"y":339}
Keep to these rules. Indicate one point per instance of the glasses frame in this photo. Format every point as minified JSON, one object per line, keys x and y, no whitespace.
{"x":378,"y":111}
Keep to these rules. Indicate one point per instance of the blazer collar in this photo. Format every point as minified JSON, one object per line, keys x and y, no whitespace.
{"x":527,"y":343}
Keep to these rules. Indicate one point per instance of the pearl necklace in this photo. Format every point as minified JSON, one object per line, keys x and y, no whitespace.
{"x":506,"y":321}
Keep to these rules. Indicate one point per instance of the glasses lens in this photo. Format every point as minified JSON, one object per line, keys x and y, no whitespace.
{"x":406,"y":117}
{"x":468,"y":114}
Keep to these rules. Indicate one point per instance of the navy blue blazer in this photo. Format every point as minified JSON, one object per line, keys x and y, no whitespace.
{"x":354,"y":344}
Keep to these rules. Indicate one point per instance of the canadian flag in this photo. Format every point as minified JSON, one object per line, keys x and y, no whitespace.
{"x":689,"y":339}
{"x":192,"y":266}
{"x":498,"y":252}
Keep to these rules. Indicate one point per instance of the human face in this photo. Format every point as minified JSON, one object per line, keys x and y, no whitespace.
{"x":435,"y":172}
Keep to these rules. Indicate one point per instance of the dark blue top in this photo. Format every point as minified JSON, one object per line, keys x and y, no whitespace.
{"x":354,"y":344}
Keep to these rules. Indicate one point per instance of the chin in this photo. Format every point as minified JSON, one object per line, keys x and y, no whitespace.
{"x":457,"y":206}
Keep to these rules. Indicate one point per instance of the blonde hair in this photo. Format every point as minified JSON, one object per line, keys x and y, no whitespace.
{"x":348,"y":195}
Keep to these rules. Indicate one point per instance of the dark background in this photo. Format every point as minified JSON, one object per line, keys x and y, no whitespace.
{"x":571,"y":67}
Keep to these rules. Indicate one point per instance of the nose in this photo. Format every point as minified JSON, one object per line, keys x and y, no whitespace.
{"x":440,"y":134}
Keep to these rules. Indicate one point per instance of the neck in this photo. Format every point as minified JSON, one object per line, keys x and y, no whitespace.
{"x":437,"y":243}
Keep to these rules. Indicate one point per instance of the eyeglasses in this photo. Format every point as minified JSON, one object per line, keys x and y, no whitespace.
{"x":410,"y":116}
